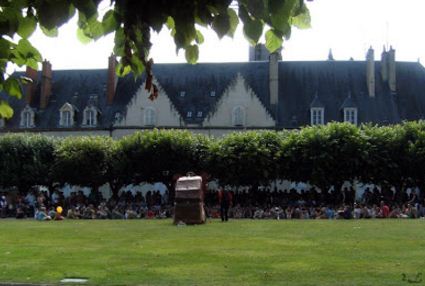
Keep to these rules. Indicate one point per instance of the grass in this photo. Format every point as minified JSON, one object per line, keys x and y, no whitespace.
{"x":240,"y":252}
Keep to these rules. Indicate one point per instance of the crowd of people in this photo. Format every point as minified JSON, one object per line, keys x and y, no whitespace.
{"x":265,"y":204}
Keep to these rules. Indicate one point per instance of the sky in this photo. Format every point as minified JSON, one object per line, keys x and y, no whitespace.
{"x":348,"y":27}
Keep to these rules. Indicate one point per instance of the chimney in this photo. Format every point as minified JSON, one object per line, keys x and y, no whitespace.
{"x":274,"y":79}
{"x":31,"y":86}
{"x":330,"y":55}
{"x":391,"y":70}
{"x":112,"y":79}
{"x":384,"y":65}
{"x":370,"y":72}
{"x":46,"y":84}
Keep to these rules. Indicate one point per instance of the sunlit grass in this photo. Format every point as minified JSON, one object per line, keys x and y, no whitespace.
{"x":240,"y":252}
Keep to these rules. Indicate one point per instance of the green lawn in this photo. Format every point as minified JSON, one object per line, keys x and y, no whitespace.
{"x":240,"y":252}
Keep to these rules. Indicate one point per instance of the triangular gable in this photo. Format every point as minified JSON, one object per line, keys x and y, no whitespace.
{"x":239,"y":94}
{"x":166,"y":114}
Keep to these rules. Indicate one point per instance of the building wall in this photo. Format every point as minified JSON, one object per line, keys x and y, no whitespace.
{"x":239,"y":94}
{"x":166,"y":114}
{"x":60,"y":133}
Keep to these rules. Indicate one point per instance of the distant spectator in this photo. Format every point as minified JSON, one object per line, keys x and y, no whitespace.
{"x":41,"y":214}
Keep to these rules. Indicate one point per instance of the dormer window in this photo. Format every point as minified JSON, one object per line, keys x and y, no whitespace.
{"x":182,"y":93}
{"x":150,"y":116}
{"x":317,"y":115}
{"x":199,"y":114}
{"x":67,"y":113}
{"x":350,"y":115}
{"x":238,"y":116}
{"x":90,"y":116}
{"x":189,"y":114}
{"x":212,"y":93}
{"x":27,"y":117}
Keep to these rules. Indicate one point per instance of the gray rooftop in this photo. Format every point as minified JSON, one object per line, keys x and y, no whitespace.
{"x":337,"y":84}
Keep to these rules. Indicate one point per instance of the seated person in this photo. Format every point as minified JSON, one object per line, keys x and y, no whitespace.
{"x":42,"y":215}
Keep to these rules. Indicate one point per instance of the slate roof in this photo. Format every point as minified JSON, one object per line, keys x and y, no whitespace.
{"x":316,"y":103}
{"x":299,"y":83}
{"x":348,"y":102}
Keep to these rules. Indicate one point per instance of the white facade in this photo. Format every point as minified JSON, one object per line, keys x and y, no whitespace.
{"x":239,"y":106}
{"x":141,"y":111}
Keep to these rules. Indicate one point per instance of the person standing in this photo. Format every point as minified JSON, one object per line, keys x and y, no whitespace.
{"x":225,"y":201}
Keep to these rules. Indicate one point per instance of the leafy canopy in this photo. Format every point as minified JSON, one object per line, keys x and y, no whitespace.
{"x":133,"y":21}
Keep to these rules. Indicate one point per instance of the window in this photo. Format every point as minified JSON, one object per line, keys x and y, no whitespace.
{"x":212,"y":93}
{"x":66,"y":118}
{"x":67,"y":113}
{"x":238,"y":116}
{"x":150,"y":116}
{"x":350,"y":115}
{"x":189,"y":114}
{"x":199,"y":114}
{"x":90,"y":116}
{"x":317,"y":115}
{"x":1,"y":122}
{"x":182,"y":93}
{"x":27,"y":117}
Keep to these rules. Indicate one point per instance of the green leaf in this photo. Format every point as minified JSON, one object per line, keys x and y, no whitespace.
{"x":5,"y":48}
{"x":122,"y":70}
{"x":26,"y":54}
{"x":170,"y":23}
{"x":280,"y":13}
{"x":192,"y":54}
{"x":136,"y":64}
{"x":109,"y":22}
{"x":303,"y":20}
{"x":199,"y":37}
{"x":119,"y":41}
{"x":12,"y":87}
{"x":273,"y":41}
{"x":50,"y":32}
{"x":9,"y":21}
{"x":53,"y":14}
{"x":87,"y":7}
{"x":5,"y":110}
{"x":253,"y":29}
{"x":233,"y":20}
{"x":257,"y":8}
{"x":27,"y":26}
{"x":221,"y":24}
{"x":82,"y":36}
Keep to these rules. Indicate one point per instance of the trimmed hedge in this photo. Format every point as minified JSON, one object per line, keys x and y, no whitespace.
{"x":324,"y":156}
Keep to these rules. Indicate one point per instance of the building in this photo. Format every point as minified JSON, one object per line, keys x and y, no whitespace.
{"x":216,"y":98}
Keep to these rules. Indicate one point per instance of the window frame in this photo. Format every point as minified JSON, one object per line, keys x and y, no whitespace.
{"x":150,"y":116}
{"x":90,"y":116}
{"x":66,"y":120}
{"x":351,"y":115}
{"x":27,"y":117}
{"x":317,"y":116}
{"x":238,"y":116}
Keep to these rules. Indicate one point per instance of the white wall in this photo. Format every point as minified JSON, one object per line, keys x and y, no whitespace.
{"x":239,"y":94}
{"x":166,"y":114}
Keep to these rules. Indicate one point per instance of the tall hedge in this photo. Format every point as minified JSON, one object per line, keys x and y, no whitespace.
{"x":26,"y":160}
{"x":324,"y":156}
{"x":82,"y":161}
